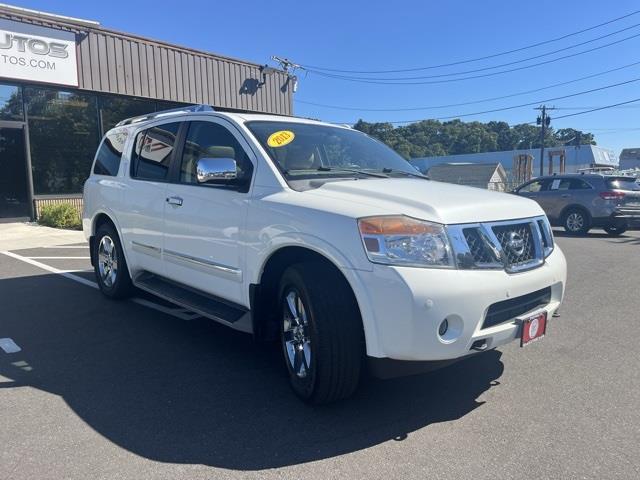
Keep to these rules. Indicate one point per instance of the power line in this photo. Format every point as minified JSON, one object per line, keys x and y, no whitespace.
{"x":529,"y":104}
{"x":433,"y":107}
{"x":478,"y":58}
{"x":597,"y":109}
{"x":484,"y":69}
{"x":431,"y":82}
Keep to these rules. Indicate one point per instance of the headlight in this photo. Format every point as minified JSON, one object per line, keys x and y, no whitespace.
{"x":402,"y":240}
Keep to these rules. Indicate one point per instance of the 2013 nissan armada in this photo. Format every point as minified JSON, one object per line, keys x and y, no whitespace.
{"x":320,"y":236}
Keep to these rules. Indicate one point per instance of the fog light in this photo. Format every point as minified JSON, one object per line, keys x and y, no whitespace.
{"x":444,"y":326}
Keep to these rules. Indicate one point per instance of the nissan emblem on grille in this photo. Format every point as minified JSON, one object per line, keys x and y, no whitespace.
{"x":516,"y":243}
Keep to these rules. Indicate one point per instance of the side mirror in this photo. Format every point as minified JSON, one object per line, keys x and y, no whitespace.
{"x":216,"y":170}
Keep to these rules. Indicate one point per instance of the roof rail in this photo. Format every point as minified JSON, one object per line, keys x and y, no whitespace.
{"x":162,"y":113}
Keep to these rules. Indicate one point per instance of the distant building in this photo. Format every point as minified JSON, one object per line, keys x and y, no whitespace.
{"x":491,"y":176}
{"x":630,"y":158}
{"x":575,"y":158}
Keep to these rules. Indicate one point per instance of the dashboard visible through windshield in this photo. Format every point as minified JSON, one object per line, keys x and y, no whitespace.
{"x":306,"y":151}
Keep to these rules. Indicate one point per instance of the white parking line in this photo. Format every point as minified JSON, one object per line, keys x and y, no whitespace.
{"x":67,"y":246}
{"x":9,"y":346}
{"x":59,"y":258}
{"x":65,"y":273}
{"x":178,"y":312}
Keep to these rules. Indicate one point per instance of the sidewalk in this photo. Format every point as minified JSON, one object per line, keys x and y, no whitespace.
{"x":30,"y":235}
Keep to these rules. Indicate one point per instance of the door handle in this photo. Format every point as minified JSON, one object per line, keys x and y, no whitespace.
{"x":177,"y":201}
{"x":565,"y":195}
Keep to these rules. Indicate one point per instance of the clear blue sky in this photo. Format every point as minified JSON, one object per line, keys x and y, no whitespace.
{"x":385,"y":35}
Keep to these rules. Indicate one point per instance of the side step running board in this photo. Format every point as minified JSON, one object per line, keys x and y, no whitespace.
{"x":227,"y":313}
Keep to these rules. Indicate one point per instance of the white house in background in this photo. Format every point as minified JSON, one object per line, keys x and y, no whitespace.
{"x":491,"y":176}
{"x":576,"y":157}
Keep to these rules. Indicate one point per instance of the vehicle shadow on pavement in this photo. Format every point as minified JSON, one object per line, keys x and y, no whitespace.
{"x":195,"y":392}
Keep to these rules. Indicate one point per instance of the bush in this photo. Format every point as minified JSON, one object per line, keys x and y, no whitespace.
{"x":61,"y":215}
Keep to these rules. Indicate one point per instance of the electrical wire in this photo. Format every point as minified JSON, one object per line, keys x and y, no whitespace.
{"x":545,"y":42}
{"x":431,"y":82}
{"x":513,"y":107}
{"x":484,"y":69}
{"x":473,"y":102}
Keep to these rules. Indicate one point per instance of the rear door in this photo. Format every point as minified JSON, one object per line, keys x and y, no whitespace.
{"x":142,"y":222}
{"x":565,"y":191}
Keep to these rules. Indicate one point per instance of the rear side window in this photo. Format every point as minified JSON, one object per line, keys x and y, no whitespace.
{"x":623,"y":184}
{"x":153,"y":151}
{"x":110,"y":154}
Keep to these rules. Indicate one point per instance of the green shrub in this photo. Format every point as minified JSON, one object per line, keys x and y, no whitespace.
{"x":61,"y":215}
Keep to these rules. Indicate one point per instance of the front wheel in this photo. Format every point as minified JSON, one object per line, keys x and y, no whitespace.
{"x":321,"y":333}
{"x":615,"y":230}
{"x":576,"y":222}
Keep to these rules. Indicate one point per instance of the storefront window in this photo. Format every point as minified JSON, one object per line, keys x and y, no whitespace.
{"x":63,"y":130}
{"x":11,"y":103}
{"x":115,"y":109}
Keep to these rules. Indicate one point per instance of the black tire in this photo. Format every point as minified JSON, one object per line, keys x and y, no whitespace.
{"x":615,"y":230}
{"x":576,"y":221}
{"x":117,"y":284}
{"x":333,"y":328}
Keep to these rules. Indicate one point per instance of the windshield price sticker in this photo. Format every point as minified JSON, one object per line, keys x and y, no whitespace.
{"x":280,"y":138}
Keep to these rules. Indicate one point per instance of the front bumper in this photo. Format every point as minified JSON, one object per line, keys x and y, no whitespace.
{"x":408,"y":304}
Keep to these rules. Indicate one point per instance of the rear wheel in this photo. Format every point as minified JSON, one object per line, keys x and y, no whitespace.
{"x":576,"y":221}
{"x":615,"y":230}
{"x":110,"y":267}
{"x":321,"y":333}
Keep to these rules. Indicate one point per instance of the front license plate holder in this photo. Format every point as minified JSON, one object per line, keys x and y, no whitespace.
{"x":533,"y":328}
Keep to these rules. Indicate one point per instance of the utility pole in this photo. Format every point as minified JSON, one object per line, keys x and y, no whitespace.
{"x":543,"y":120}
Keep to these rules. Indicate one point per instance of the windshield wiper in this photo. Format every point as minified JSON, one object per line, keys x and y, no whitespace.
{"x":352,"y":170}
{"x":408,"y":174}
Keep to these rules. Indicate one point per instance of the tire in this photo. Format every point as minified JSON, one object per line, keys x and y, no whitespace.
{"x":576,"y":221}
{"x":615,"y":230}
{"x":112,"y":274}
{"x":321,"y":333}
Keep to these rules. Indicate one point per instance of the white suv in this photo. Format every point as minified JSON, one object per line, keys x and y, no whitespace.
{"x":318,"y":235}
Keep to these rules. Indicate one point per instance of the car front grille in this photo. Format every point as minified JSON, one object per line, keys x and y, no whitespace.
{"x":478,"y":250}
{"x":507,"y":235}
{"x":512,"y":246}
{"x":506,"y":310}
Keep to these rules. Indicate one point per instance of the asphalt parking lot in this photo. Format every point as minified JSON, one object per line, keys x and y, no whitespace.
{"x":93,"y":388}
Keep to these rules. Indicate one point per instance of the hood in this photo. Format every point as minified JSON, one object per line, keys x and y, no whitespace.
{"x":428,"y":200}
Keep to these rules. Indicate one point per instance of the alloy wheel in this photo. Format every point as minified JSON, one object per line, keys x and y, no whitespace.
{"x":107,"y":261}
{"x":575,"y":221}
{"x":297,"y":341}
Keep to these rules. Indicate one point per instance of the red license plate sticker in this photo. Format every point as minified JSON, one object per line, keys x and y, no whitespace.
{"x":533,"y":328}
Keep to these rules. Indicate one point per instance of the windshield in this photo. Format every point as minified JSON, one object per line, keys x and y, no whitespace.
{"x":310,"y":151}
{"x":623,"y":183}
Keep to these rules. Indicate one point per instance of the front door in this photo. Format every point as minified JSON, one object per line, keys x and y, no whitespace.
{"x":203,"y":222}
{"x":14,"y":196}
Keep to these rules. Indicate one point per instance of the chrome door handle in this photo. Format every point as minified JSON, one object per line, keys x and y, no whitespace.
{"x":177,"y":201}
{"x":565,"y":195}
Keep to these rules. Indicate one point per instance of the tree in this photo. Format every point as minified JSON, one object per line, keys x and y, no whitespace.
{"x":430,"y":138}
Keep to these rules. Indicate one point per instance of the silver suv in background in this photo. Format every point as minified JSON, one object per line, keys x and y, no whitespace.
{"x":579,"y":202}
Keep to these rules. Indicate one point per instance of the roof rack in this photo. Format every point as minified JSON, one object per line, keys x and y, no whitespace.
{"x":163,"y":113}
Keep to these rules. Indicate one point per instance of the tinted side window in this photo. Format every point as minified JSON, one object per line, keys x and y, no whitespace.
{"x":211,"y":140}
{"x":560,"y":184}
{"x":153,"y":151}
{"x":577,"y":184}
{"x":534,"y":187}
{"x":110,"y":154}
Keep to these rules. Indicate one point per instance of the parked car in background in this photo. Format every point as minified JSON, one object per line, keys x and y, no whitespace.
{"x":579,"y":202}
